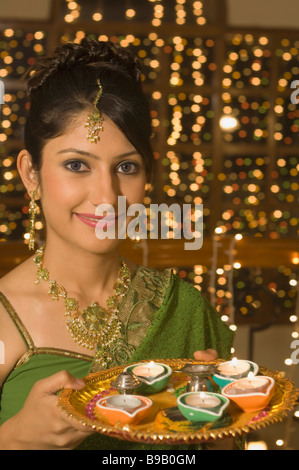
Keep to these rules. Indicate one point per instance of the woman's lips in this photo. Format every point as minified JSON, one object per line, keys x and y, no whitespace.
{"x":95,"y":220}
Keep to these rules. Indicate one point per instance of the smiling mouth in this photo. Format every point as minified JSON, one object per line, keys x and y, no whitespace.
{"x":92,"y":220}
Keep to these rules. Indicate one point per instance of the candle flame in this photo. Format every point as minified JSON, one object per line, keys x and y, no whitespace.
{"x":250,"y":376}
{"x":202,"y":395}
{"x":151,"y":364}
{"x":234,"y":361}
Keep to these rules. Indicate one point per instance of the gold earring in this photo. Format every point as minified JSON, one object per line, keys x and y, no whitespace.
{"x":33,"y":209}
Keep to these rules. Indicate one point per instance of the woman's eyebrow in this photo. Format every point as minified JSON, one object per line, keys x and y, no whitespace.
{"x":96,"y":157}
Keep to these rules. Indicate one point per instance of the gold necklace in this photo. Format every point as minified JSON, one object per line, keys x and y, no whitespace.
{"x":94,"y":327}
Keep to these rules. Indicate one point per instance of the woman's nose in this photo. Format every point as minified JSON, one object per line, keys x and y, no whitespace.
{"x":105,"y":190}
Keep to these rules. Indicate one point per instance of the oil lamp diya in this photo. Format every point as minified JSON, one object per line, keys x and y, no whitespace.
{"x":202,"y":406}
{"x":124,"y":409}
{"x":153,"y":376}
{"x":252,"y":393}
{"x":230,"y":371}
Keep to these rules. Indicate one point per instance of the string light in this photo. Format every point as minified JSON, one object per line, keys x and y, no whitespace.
{"x":158,"y":14}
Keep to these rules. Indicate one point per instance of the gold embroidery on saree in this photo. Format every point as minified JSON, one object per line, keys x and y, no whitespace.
{"x":145,"y":297}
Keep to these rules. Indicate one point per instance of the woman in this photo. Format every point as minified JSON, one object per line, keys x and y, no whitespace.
{"x":87,"y":141}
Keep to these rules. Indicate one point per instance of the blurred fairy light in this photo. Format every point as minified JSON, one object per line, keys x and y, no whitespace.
{"x":97,"y":16}
{"x":180,"y":12}
{"x":257,"y":445}
{"x":74,"y":11}
{"x":228,"y":123}
{"x":295,"y":258}
{"x":158,"y":14}
{"x":130,"y":13}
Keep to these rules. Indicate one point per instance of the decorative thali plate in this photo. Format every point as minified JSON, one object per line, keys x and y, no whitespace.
{"x":164,"y":424}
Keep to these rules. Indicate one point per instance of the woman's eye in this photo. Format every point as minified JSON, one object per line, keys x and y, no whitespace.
{"x":76,"y":166}
{"x":128,"y":167}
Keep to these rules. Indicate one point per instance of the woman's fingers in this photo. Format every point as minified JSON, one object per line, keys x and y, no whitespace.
{"x":53,"y":384}
{"x":207,"y":355}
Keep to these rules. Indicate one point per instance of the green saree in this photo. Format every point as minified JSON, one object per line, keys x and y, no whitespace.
{"x":162,"y":316}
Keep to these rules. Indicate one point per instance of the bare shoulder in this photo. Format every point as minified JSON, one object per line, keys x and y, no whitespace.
{"x":14,"y":276}
{"x":12,"y":345}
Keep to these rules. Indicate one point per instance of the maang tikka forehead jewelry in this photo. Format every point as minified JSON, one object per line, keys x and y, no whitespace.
{"x":95,"y":119}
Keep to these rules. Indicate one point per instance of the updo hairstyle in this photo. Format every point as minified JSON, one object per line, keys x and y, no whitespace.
{"x":64,"y":85}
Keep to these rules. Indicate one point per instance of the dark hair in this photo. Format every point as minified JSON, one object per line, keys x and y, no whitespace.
{"x":61,"y":86}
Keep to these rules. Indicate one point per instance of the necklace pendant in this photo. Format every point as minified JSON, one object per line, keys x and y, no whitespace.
{"x":71,"y":303}
{"x":42,"y":274}
{"x":96,"y":328}
{"x":37,"y":259}
{"x":111,"y":303}
{"x":54,"y":290}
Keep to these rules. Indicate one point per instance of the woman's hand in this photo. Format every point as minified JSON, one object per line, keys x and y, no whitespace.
{"x":207,"y":355}
{"x":41,"y":424}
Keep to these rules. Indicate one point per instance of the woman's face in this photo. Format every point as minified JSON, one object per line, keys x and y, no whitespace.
{"x":77,"y":176}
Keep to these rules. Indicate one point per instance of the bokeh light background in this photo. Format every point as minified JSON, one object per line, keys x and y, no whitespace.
{"x":197,"y":73}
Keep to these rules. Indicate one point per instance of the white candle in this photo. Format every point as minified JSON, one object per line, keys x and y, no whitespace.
{"x":251,"y":384}
{"x":124,"y":402}
{"x":234,"y":368}
{"x":148,"y":370}
{"x":202,"y":400}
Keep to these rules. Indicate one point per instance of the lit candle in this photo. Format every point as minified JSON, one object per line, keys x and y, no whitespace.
{"x":202,"y":400}
{"x":148,"y":371}
{"x":234,"y":368}
{"x":251,"y":384}
{"x":124,"y":402}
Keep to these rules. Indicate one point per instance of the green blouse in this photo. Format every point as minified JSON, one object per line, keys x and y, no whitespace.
{"x":162,"y":317}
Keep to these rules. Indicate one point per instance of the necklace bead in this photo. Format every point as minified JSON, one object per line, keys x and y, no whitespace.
{"x":94,"y":327}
